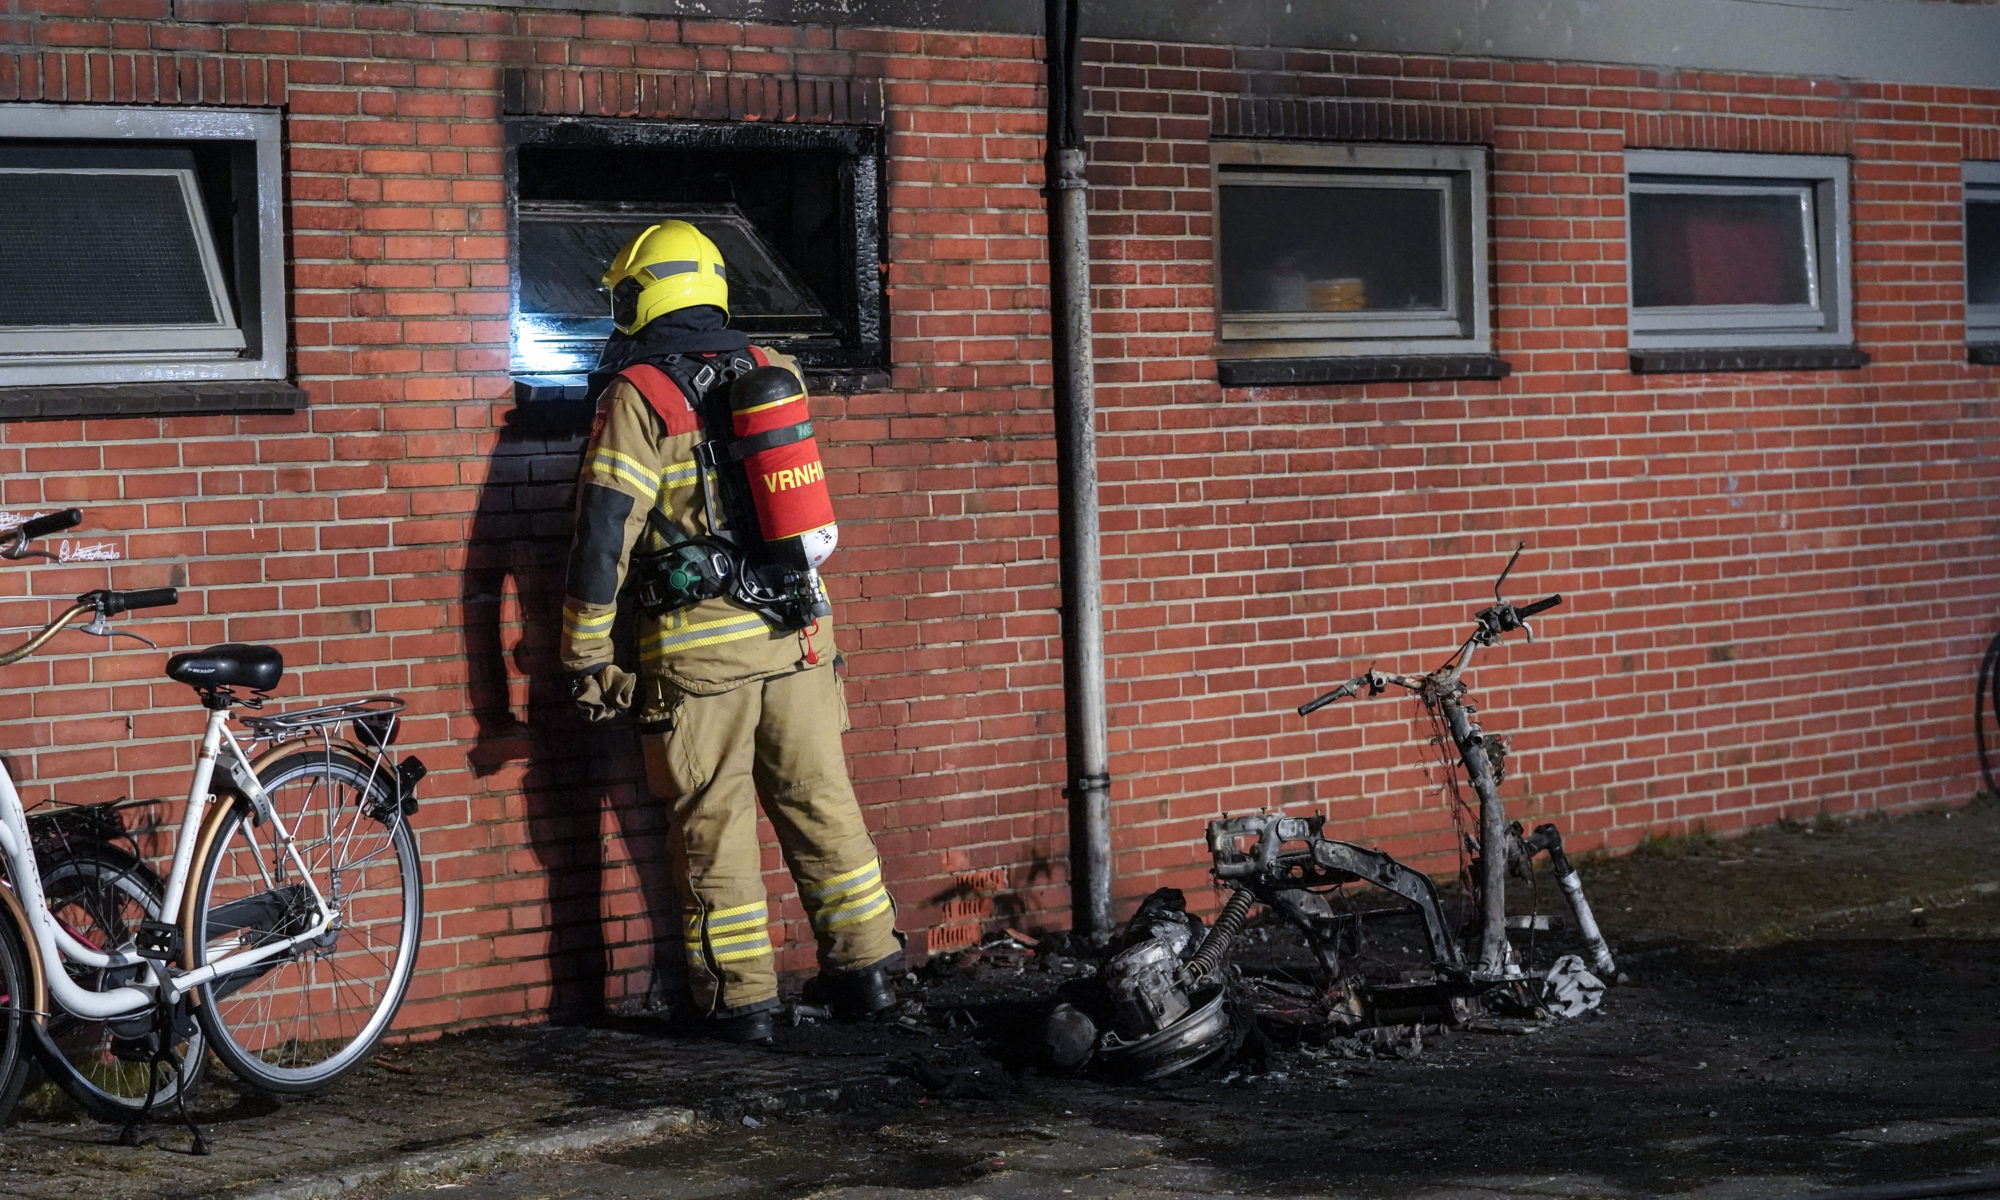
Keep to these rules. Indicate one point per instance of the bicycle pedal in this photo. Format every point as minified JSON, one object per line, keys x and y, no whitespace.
{"x":159,"y":940}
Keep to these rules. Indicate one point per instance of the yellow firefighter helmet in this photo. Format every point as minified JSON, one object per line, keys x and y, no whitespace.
{"x":671,"y":266}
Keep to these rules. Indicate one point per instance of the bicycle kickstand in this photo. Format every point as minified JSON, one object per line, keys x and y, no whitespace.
{"x":161,"y":1054}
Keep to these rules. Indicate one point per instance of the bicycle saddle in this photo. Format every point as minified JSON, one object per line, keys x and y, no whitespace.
{"x":231,"y":664}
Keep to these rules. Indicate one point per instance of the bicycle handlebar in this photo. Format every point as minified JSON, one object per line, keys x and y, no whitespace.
{"x":96,"y":605}
{"x":1340,"y":693}
{"x":110,"y":603}
{"x":1542,"y":605}
{"x":55,"y":522}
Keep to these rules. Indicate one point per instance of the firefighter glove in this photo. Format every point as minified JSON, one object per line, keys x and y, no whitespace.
{"x":604,"y":693}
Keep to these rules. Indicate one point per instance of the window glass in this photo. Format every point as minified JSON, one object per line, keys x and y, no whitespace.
{"x":1333,"y":248}
{"x":1982,"y":250}
{"x":1719,"y":248}
{"x":140,"y":223}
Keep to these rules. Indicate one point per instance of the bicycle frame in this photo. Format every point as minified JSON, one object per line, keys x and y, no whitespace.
{"x":53,"y":944}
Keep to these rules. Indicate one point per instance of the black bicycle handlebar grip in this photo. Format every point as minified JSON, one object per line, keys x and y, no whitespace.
{"x":113,"y":603}
{"x":1542,"y":605}
{"x":1319,"y":702}
{"x":55,"y":522}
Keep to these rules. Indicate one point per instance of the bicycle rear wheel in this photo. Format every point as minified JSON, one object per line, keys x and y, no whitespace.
{"x":299,"y":1021}
{"x":102,"y":893}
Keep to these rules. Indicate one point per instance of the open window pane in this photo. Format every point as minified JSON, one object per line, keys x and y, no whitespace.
{"x":1721,"y":249}
{"x":1982,"y":251}
{"x":140,"y":245}
{"x":1298,"y":249}
{"x":140,"y":225}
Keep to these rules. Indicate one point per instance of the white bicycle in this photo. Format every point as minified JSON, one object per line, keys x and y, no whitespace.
{"x":283,"y":937}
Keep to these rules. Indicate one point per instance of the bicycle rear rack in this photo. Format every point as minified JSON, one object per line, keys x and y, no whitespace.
{"x":374,"y":719}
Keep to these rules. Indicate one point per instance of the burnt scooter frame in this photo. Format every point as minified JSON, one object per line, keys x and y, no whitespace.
{"x":1251,"y":855}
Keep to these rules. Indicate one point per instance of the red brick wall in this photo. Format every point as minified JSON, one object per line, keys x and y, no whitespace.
{"x":1776,"y":585}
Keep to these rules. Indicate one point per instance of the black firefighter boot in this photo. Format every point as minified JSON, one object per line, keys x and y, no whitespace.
{"x":750,"y":1025}
{"x":859,"y":995}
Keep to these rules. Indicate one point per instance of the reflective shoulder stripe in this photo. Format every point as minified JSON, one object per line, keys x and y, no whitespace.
{"x":615,"y":466}
{"x":664,"y":396}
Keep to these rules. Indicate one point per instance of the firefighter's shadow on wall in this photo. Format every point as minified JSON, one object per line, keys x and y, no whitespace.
{"x":541,"y":767}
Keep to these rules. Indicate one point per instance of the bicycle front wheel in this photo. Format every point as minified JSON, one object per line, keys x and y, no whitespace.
{"x":16,"y":1005}
{"x":298,"y":1021}
{"x":102,"y":893}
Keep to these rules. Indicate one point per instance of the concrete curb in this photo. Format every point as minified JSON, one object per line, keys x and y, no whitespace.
{"x":475,"y":1154}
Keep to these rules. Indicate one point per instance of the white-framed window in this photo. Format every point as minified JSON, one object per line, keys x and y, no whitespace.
{"x":1982,"y":252}
{"x":1730,"y":251}
{"x":140,"y":245}
{"x":1350,"y":250}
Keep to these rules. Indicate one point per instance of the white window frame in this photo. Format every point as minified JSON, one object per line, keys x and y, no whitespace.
{"x":1982,"y":322}
{"x":1457,"y":173}
{"x":250,"y":345}
{"x":1819,"y":185}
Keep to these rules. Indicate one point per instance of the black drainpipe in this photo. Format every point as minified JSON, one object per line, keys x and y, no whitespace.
{"x":1089,"y":787}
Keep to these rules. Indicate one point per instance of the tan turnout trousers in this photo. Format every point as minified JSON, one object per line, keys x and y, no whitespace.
{"x":778,"y":738}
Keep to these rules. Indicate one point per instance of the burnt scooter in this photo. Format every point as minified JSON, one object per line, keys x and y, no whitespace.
{"x":1287,"y":864}
{"x":1163,"y":991}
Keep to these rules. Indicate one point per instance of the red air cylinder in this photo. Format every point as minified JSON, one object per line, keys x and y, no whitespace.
{"x":774,"y":442}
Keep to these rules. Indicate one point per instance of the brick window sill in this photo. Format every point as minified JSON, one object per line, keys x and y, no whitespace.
{"x":1283,"y":372}
{"x":1777,"y":358}
{"x":1985,"y":354}
{"x":148,"y":400}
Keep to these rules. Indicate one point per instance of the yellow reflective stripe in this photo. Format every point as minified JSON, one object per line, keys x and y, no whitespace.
{"x":677,"y":476}
{"x":746,"y":921}
{"x":846,"y":881}
{"x":576,"y":624}
{"x":734,"y":939}
{"x":755,"y":906}
{"x":702,"y":633}
{"x":848,"y":914}
{"x":610,"y":462}
{"x":763,"y":951}
{"x":757,"y":408}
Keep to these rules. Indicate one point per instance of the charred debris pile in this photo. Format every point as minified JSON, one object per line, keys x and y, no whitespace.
{"x":1295,"y":958}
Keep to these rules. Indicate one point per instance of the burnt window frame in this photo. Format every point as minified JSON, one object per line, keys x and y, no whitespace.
{"x":240,"y":195}
{"x":861,"y":360}
{"x":1460,"y":172}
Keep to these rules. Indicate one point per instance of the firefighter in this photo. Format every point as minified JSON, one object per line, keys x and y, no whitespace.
{"x":736,"y":694}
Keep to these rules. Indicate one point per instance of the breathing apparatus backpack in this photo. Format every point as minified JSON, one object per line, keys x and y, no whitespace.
{"x":770,"y":517}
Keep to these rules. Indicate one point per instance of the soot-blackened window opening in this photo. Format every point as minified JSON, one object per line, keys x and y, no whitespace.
{"x":795,"y":210}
